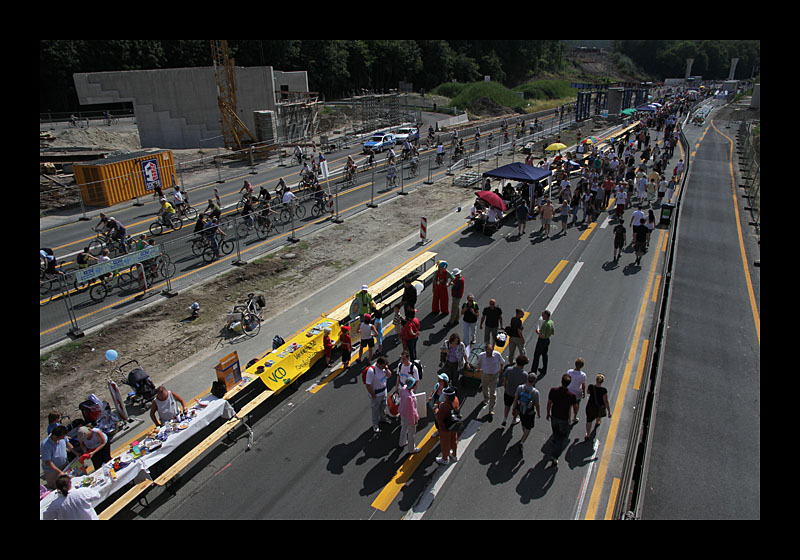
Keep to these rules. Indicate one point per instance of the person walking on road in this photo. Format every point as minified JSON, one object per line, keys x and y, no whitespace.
{"x":469,"y":312}
{"x":513,"y":377}
{"x":597,"y":406}
{"x":620,"y":233}
{"x":546,"y":213}
{"x":375,"y":382}
{"x":559,"y":401}
{"x":516,"y":337}
{"x":448,"y":438}
{"x":640,"y":241}
{"x":493,"y":317}
{"x":409,"y":416}
{"x":577,"y":386}
{"x":526,"y":403}
{"x":490,"y":364}
{"x":544,"y":332}
{"x":456,"y":293}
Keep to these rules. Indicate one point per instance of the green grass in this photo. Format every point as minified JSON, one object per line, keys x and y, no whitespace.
{"x":538,"y":95}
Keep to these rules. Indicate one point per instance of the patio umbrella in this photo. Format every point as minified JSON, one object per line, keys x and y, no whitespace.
{"x":555,"y":146}
{"x":492,"y":199}
{"x":628,"y":111}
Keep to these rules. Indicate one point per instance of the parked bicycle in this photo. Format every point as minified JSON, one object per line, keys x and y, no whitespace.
{"x":246,"y":318}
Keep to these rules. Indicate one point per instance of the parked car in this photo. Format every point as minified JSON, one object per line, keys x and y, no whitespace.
{"x":379,"y":142}
{"x":407,"y":133}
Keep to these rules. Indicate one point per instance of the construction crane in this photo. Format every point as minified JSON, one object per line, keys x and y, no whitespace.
{"x":234,"y":131}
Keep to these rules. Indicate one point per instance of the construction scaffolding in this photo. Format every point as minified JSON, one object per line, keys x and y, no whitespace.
{"x":298,"y":116}
{"x":376,"y":111}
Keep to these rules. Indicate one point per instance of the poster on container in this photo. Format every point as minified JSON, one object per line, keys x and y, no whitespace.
{"x":150,"y":174}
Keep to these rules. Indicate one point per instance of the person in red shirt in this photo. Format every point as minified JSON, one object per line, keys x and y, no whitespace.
{"x":327,"y":345}
{"x":346,"y":345}
{"x":440,"y":281}
{"x":608,"y":188}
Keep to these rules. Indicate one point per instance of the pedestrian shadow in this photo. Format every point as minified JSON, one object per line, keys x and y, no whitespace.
{"x":580,"y":453}
{"x":536,"y":481}
{"x":342,"y":454}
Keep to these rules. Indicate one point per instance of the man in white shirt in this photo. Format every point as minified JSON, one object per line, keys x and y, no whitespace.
{"x":288,"y":196}
{"x":375,"y":382}
{"x":577,"y":386}
{"x":490,"y":363}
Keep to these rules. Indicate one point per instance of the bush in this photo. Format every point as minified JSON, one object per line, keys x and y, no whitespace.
{"x":546,"y":89}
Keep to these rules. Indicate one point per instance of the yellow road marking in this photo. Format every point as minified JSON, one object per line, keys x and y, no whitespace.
{"x":597,"y":489}
{"x":556,"y":271}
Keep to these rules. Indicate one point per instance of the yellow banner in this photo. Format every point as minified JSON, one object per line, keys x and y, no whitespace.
{"x":285,"y":364}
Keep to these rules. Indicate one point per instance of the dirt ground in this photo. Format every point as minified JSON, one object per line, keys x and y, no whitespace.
{"x":165,"y":343}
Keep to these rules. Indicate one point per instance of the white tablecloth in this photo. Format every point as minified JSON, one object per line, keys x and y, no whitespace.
{"x":216,"y":407}
{"x":133,"y":472}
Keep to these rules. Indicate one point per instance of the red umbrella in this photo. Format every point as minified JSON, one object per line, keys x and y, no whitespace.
{"x":492,"y":199}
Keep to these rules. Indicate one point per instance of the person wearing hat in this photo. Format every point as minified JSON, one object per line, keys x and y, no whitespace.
{"x":448,"y":439}
{"x":367,"y":331}
{"x":409,"y":416}
{"x":440,"y":281}
{"x":456,"y":292}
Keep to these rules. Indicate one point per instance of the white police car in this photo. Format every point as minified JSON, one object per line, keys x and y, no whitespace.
{"x":379,"y":142}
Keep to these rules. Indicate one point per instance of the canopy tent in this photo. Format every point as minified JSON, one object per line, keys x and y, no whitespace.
{"x":645,"y":108}
{"x":519,"y":172}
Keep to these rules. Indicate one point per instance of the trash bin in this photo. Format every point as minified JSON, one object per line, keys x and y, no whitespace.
{"x":667,"y":209}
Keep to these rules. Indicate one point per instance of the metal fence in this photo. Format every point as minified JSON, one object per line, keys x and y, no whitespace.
{"x":750,"y":167}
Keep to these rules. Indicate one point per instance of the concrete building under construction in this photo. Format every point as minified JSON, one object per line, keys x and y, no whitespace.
{"x":178,"y":107}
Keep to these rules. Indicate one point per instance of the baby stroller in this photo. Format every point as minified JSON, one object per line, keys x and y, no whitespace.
{"x":132,"y":374}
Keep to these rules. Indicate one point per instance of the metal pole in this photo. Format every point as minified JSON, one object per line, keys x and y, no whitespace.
{"x":293,"y":238}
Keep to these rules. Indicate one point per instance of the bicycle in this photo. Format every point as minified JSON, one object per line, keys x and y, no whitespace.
{"x":49,"y":286}
{"x":185,"y":210}
{"x":108,"y":121}
{"x":286,"y":211}
{"x":173,"y":222}
{"x":263,"y":225}
{"x":321,"y":206}
{"x":102,"y":239}
{"x":246,"y":318}
{"x":100,"y":290}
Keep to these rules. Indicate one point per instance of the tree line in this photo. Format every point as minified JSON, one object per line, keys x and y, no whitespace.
{"x":342,"y":67}
{"x":336,"y":68}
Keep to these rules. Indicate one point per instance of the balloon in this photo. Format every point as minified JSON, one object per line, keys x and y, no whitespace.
{"x":111,"y":355}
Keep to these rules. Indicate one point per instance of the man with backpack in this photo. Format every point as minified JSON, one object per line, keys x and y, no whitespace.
{"x":526,"y":402}
{"x":375,"y":378}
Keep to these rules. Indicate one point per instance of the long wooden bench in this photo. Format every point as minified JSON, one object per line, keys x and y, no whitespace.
{"x":342,"y":313}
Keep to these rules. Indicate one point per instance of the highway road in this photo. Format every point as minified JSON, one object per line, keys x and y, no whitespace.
{"x":315,"y":455}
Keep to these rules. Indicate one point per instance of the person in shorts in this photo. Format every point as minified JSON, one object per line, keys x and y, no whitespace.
{"x":526,"y":403}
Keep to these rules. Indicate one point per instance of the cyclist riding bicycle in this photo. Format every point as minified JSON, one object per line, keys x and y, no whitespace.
{"x":247,"y":188}
{"x":50,"y":260}
{"x":166,"y":212}
{"x":298,"y":153}
{"x":247,"y":210}
{"x":116,"y":231}
{"x":84,"y":257}
{"x":210,"y":233}
{"x":213,"y":210}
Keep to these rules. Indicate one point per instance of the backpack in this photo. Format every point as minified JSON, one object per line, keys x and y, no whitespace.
{"x":454,"y":420}
{"x":277,"y":342}
{"x":525,"y":400}
{"x":364,"y":375}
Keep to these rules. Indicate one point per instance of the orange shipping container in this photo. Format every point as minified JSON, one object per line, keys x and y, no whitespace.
{"x":116,"y":179}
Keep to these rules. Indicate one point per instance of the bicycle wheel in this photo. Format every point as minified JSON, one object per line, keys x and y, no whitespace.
{"x":242,"y":230}
{"x":156,"y":228}
{"x":316,"y":210}
{"x":198,"y":246}
{"x":190,"y":211}
{"x":128,"y":281}
{"x":251,"y":324}
{"x":99,"y":291}
{"x":176,"y":223}
{"x":300,"y":211}
{"x":226,"y":246}
{"x":286,"y":215}
{"x":95,"y":247}
{"x":208,"y":255}
{"x":47,"y":289}
{"x":167,"y":269}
